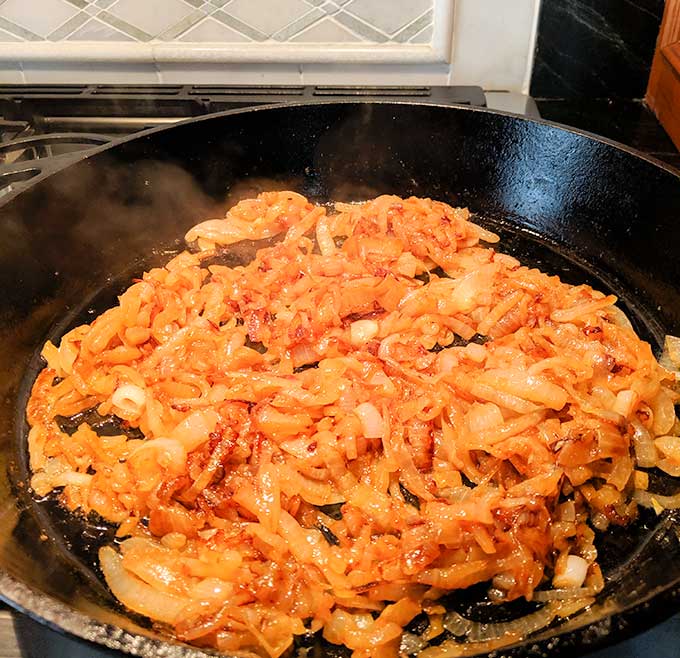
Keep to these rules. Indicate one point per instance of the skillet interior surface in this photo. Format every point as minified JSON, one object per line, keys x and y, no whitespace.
{"x":569,"y":204}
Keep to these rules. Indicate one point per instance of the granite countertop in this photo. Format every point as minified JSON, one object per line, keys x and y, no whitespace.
{"x":624,"y":120}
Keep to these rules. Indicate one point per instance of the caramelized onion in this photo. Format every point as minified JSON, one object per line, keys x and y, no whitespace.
{"x":135,"y":594}
{"x":567,"y":594}
{"x":643,"y":444}
{"x":672,"y":350}
{"x":657,"y":501}
{"x":372,"y":411}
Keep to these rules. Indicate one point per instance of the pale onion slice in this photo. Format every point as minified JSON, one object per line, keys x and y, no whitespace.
{"x":483,"y":416}
{"x":564,"y":594}
{"x":643,"y":444}
{"x":303,"y":354}
{"x":641,"y":479}
{"x":469,"y":288}
{"x":663,"y":408}
{"x":169,"y":453}
{"x":486,"y":235}
{"x":625,"y":402}
{"x":535,"y":388}
{"x":573,"y":574}
{"x":474,"y":352}
{"x":361,"y":331}
{"x":457,"y":624}
{"x":667,"y":466}
{"x":195,"y":429}
{"x":76,"y":479}
{"x":656,"y":501}
{"x":51,"y":354}
{"x":584,"y":308}
{"x":129,"y":399}
{"x":372,"y":422}
{"x":619,"y":318}
{"x":359,"y":631}
{"x":669,"y":446}
{"x":482,"y":638}
{"x":411,"y":644}
{"x":520,"y":628}
{"x":136,"y":594}
{"x":324,"y":238}
{"x":672,"y":349}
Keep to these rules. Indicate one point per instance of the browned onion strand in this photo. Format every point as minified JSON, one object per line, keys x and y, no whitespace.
{"x":350,"y":426}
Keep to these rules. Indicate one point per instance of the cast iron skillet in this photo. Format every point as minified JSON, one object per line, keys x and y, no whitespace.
{"x":584,"y":208}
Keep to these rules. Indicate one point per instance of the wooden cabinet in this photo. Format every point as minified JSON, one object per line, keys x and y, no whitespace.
{"x":663,"y":92}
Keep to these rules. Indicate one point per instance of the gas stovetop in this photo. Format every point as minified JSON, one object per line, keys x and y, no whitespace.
{"x":44,"y":127}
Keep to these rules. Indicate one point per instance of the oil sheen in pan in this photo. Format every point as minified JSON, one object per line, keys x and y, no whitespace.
{"x":78,"y":538}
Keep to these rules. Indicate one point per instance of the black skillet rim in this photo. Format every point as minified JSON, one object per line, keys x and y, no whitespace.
{"x":88,"y":153}
{"x":61,"y":618}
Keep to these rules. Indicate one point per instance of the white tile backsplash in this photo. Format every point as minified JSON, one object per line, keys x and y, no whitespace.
{"x":424,"y":36}
{"x":267,"y":20}
{"x":326,"y":31}
{"x":7,"y":36}
{"x":211,"y":31}
{"x":372,"y":21}
{"x":494,"y":43}
{"x":484,"y":42}
{"x":95,"y":30}
{"x":151,"y":16}
{"x":390,"y":19}
{"x":41,"y":20}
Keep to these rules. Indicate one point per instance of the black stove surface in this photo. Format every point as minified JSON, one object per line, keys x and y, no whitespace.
{"x":42,"y":127}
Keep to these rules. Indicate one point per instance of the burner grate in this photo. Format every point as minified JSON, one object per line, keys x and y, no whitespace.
{"x":35,"y":102}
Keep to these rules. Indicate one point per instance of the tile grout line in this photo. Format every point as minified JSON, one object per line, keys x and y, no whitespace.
{"x":349,"y":17}
{"x":306,"y":21}
{"x":408,"y":28}
{"x":18,"y":31}
{"x":75,"y":22}
{"x":178,"y":29}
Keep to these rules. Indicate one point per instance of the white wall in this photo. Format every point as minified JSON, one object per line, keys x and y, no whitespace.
{"x":483,"y":42}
